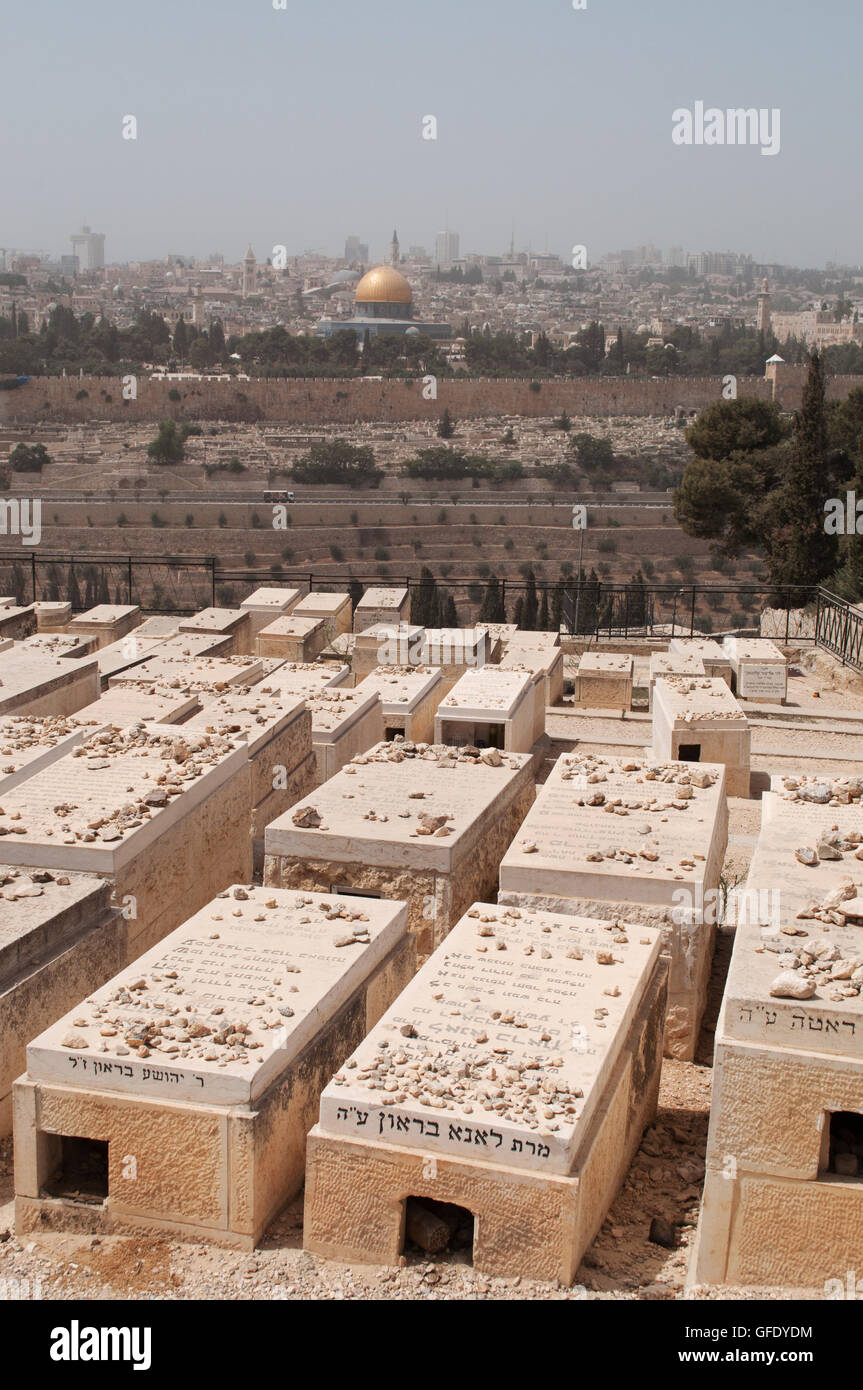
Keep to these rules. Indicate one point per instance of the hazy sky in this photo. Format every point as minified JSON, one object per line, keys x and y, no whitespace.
{"x":300,"y":126}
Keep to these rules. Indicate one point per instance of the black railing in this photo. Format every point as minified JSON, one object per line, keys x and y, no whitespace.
{"x":839,"y":629}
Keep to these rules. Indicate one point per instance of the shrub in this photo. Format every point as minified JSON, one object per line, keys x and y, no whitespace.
{"x":337,"y":553}
{"x":381,"y":553}
{"x":607,"y":546}
{"x":250,"y":557}
{"x":188,"y":519}
{"x":223,"y":520}
{"x":174,"y":395}
{"x":122,"y":519}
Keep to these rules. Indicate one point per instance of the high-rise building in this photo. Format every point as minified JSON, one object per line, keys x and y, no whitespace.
{"x":356,"y":250}
{"x":89,"y":247}
{"x":446,"y":249}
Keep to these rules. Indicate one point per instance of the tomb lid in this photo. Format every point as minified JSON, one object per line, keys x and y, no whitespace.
{"x":256,"y":974}
{"x":503,"y":1047}
{"x":487,"y":690}
{"x":39,"y":910}
{"x":401,"y":688}
{"x":271,"y":598}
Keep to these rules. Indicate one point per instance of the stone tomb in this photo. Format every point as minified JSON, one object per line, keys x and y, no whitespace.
{"x":345,"y":722}
{"x":759,"y":669}
{"x":170,"y":665}
{"x":335,"y":609}
{"x":523,"y":637}
{"x":712,"y":654}
{"x":233,"y":623}
{"x":292,"y":638}
{"x":545,"y":668}
{"x":122,"y":655}
{"x":278,"y":736}
{"x":380,"y":605}
{"x":108,"y":622}
{"x":59,"y":938}
{"x":498,"y":636}
{"x":60,"y":644}
{"x":305,"y":678}
{"x":202,"y":1067}
{"x":17,"y":623}
{"x":698,"y":720}
{"x":164,"y":814}
{"x":640,"y":842}
{"x":52,"y":617}
{"x":121,"y":705}
{"x":603,"y":681}
{"x":386,"y":644}
{"x":513,"y":1077}
{"x":672,"y":664}
{"x":29,"y":743}
{"x":783,"y":1193}
{"x":32,"y":682}
{"x":425,"y":824}
{"x":489,"y":708}
{"x":266,"y":604}
{"x":409,"y":698}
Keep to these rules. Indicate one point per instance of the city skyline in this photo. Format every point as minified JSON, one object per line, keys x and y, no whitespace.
{"x":559,"y":120}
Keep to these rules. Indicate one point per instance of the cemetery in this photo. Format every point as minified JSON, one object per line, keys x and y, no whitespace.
{"x":490,"y":708}
{"x":409,"y":697}
{"x":698,"y":720}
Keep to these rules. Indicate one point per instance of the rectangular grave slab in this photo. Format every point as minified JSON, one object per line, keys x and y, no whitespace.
{"x":523,"y":638}
{"x":672,"y":663}
{"x":498,"y":637}
{"x":167,"y":844}
{"x":429,"y":825}
{"x":335,"y":609}
{"x":278,"y":734}
{"x":292,"y":638}
{"x":409,"y":698}
{"x":30,"y":743}
{"x":382,"y":605}
{"x":264,"y":605}
{"x":276,"y":989}
{"x":59,"y":937}
{"x":491,"y":707}
{"x":36,"y":683}
{"x":120,"y":706}
{"x":635,"y":841}
{"x":304,"y":678}
{"x":345,"y":723}
{"x":131,"y":650}
{"x":512,"y":1077}
{"x":234,"y":623}
{"x":712,"y":654}
{"x":788,"y":1068}
{"x":107,"y":622}
{"x":699,"y":720}
{"x":759,"y":670}
{"x":169,"y":665}
{"x":60,"y":644}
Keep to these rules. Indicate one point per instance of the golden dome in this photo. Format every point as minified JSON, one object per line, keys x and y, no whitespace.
{"x":384,"y":285}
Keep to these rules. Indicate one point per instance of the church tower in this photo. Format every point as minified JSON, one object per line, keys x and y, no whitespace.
{"x":250,"y":270}
{"x":763,"y":323}
{"x":395,"y":255}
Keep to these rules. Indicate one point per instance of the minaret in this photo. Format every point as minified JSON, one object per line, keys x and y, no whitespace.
{"x":250,"y":268}
{"x":763,"y":323}
{"x":394,"y":251}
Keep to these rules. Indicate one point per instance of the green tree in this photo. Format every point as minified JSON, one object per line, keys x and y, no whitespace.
{"x":340,"y":462}
{"x":180,"y":341}
{"x":446,"y":425}
{"x":799,"y":549}
{"x":29,"y":458}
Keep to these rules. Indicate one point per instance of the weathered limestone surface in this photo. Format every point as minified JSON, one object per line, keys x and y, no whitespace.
{"x":233,"y":623}
{"x":165,"y":815}
{"x":414,"y":821}
{"x":699,"y":720}
{"x":382,"y":605}
{"x":711,"y":653}
{"x":17,"y":623}
{"x":491,"y":705}
{"x":107,"y":622}
{"x":344,"y":724}
{"x":121,"y":705}
{"x":51,"y":617}
{"x":335,"y":609}
{"x":264,"y":605}
{"x":783,"y":1200}
{"x":673,"y":663}
{"x":59,"y":938}
{"x":760,"y":671}
{"x":638,"y":842}
{"x":603,"y":681}
{"x":513,"y":1076}
{"x":205,"y":1062}
{"x":409,"y":698}
{"x":293,"y":638}
{"x":28,"y":744}
{"x":173,"y":665}
{"x":35,"y":683}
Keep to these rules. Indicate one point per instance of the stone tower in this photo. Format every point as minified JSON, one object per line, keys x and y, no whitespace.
{"x":395,"y":255}
{"x":250,"y":271}
{"x":763,"y":323}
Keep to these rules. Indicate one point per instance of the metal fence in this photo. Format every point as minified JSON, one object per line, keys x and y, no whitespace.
{"x":590,"y":608}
